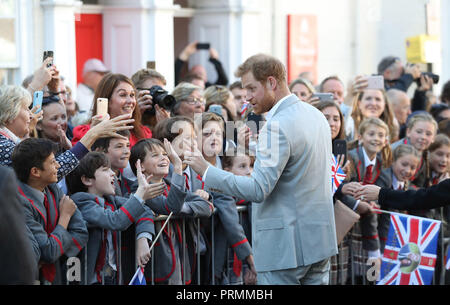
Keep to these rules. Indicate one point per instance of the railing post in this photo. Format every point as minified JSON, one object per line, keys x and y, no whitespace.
{"x":213,"y":281}
{"x":198,"y":251}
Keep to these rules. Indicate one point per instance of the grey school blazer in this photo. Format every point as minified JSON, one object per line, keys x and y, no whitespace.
{"x":290,"y":187}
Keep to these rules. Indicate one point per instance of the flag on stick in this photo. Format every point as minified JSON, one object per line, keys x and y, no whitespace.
{"x":409,"y":257}
{"x":337,"y":174}
{"x":138,"y":278}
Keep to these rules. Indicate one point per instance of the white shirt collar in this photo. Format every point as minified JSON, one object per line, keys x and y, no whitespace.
{"x":368,"y":162}
{"x":272,"y":111}
{"x":397,"y":184}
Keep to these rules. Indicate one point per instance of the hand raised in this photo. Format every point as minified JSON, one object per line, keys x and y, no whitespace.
{"x":194,"y":158}
{"x":145,"y":190}
{"x":173,"y":157}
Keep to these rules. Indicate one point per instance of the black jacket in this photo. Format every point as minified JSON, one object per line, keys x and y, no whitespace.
{"x":222,"y":78}
{"x":18,"y":265}
{"x":422,"y":199}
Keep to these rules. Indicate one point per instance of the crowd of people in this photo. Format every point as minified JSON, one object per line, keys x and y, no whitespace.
{"x":91,"y":185}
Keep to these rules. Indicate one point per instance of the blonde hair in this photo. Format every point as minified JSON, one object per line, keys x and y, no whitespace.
{"x":387,"y":116}
{"x":216,"y":95}
{"x":12,"y":99}
{"x":422,"y":117}
{"x":439,"y":141}
{"x":142,"y":75}
{"x":405,"y":150}
{"x":386,"y":152}
{"x":201,"y":120}
{"x":303,"y":82}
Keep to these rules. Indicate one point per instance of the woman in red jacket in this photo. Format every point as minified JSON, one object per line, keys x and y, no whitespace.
{"x":121,"y":95}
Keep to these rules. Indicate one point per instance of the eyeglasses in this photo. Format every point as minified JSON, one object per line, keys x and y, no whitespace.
{"x":193,"y":101}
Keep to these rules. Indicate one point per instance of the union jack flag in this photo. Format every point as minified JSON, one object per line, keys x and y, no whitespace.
{"x":244,"y":109}
{"x":410,"y":253}
{"x":337,"y":174}
{"x":138,"y":278}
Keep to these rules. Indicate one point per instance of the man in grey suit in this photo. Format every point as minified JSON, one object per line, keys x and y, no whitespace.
{"x":293,"y":221}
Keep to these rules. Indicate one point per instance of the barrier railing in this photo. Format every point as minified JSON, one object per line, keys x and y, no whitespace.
{"x":163,"y":218}
{"x":352,"y":274}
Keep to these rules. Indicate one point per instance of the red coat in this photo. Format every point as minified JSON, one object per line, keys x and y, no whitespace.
{"x":80,"y":131}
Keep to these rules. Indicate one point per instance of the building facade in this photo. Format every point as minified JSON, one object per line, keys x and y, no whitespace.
{"x":345,"y":37}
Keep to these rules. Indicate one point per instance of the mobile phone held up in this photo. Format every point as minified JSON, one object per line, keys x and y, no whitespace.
{"x":375,"y":82}
{"x":48,"y":54}
{"x":102,"y":106}
{"x":324,"y":97}
{"x":203,"y":46}
{"x":340,"y":148}
{"x":37,"y":100}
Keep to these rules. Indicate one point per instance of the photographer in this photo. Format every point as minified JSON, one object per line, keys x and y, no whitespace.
{"x":397,"y":76}
{"x":199,"y":70}
{"x":152,"y":113}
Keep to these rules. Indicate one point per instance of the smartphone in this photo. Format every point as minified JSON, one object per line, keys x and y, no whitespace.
{"x":324,"y":97}
{"x":203,"y":46}
{"x":151,"y":65}
{"x":375,"y":82}
{"x":102,"y":106}
{"x":217,"y":109}
{"x":37,"y":99}
{"x":46,"y":55}
{"x":340,"y":148}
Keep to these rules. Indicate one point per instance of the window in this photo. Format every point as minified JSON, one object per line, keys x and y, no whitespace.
{"x":8,"y":40}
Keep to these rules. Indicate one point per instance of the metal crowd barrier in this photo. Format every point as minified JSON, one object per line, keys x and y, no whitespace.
{"x":198,"y":272}
{"x":443,"y":241}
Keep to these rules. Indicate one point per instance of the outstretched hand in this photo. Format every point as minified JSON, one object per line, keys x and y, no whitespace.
{"x":194,"y":158}
{"x":106,"y":128}
{"x":368,"y":192}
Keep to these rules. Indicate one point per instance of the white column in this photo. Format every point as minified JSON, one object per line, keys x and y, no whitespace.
{"x":233,"y":27}
{"x":135,"y":32}
{"x":59,"y":35}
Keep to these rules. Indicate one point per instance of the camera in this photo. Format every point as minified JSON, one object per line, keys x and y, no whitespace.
{"x":162,"y":98}
{"x":433,"y":76}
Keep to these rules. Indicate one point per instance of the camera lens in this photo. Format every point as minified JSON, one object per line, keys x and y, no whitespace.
{"x":162,"y":98}
{"x":433,"y":76}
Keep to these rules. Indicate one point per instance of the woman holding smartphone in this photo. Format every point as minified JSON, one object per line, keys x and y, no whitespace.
{"x":121,"y":95}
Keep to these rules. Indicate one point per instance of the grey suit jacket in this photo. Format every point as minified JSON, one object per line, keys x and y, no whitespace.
{"x":292,"y":218}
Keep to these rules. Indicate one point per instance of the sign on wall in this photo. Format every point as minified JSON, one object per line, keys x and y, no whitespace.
{"x":302,"y":46}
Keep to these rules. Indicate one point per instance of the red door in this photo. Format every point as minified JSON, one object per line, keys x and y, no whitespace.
{"x":88,"y":39}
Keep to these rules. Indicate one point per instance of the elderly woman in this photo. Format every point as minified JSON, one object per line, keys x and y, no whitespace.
{"x":15,"y":119}
{"x":189,"y":99}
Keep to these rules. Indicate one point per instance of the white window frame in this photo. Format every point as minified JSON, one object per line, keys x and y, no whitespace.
{"x":16,"y":64}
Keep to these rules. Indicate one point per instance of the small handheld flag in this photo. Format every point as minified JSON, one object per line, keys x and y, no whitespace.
{"x":409,"y":257}
{"x":337,"y":174}
{"x":138,"y":278}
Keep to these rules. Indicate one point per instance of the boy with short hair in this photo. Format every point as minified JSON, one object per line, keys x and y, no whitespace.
{"x":118,"y":152}
{"x":92,"y":186}
{"x":53,"y":218}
